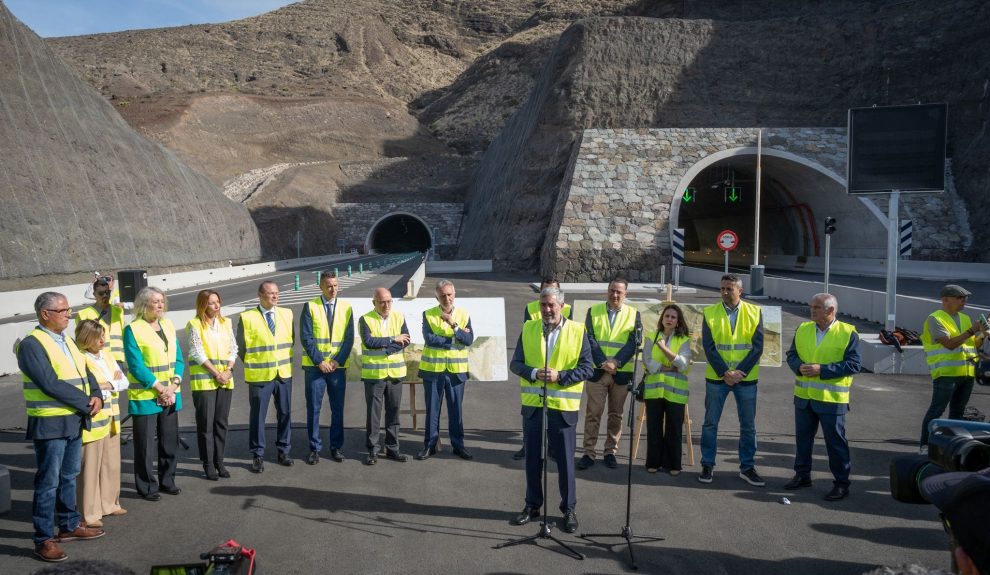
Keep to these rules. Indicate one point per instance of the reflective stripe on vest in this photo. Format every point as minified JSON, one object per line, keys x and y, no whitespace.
{"x":200,"y":379}
{"x":733,"y":346}
{"x":533,"y":309}
{"x":328,"y":341}
{"x":103,"y":423}
{"x":945,"y":362}
{"x":267,"y":355}
{"x":611,"y":338}
{"x":437,"y":360}
{"x":832,"y":349}
{"x":566,"y":354}
{"x":114,"y":330}
{"x":669,"y":385}
{"x":158,"y":359}
{"x":375,"y":363}
{"x":36,"y":401}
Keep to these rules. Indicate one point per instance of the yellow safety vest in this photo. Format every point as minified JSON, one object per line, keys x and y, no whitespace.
{"x":38,"y":403}
{"x":733,"y":346}
{"x":114,"y":330}
{"x":328,"y":341}
{"x":106,"y":421}
{"x":533,"y":309}
{"x":267,"y":355}
{"x":566,"y":354}
{"x":437,"y":360}
{"x":611,"y":338}
{"x":669,"y":385}
{"x":375,"y":363}
{"x":200,"y":379}
{"x":158,"y":358}
{"x":831,"y":350}
{"x":945,"y":362}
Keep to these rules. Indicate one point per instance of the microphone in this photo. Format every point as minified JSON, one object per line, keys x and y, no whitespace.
{"x":639,"y":336}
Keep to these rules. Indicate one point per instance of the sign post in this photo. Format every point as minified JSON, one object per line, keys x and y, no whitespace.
{"x":727,"y":241}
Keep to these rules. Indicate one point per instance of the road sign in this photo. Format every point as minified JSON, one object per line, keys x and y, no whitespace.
{"x":678,"y":246}
{"x":733,"y":194}
{"x":689,"y":195}
{"x":907,"y":230}
{"x":727,"y":240}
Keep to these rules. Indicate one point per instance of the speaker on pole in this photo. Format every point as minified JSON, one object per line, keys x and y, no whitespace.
{"x":130,"y":282}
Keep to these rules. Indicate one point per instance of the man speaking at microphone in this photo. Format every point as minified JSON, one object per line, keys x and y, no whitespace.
{"x":566,"y":345}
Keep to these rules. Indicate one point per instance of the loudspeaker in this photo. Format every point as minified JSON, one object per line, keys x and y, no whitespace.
{"x":130,"y":282}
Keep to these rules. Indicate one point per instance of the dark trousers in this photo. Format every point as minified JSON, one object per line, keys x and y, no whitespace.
{"x":664,"y":424}
{"x":806,"y":422}
{"x":332,"y":385}
{"x":561,"y":443}
{"x":166,"y":425}
{"x":212,"y":410}
{"x":259,"y":394}
{"x":953,"y":392}
{"x":380,"y":393}
{"x":436,"y":387}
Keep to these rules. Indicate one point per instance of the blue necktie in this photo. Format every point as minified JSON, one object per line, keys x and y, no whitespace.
{"x":270,"y":317}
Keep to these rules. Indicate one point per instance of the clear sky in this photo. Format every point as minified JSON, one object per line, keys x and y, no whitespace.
{"x":76,"y":17}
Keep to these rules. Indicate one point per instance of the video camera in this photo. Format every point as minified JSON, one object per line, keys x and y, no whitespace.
{"x":228,"y":558}
{"x":953,"y":445}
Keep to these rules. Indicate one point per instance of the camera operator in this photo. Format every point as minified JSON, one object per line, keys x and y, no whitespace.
{"x":964,"y":500}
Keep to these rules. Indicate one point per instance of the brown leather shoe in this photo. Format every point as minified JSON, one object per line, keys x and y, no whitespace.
{"x":81,"y":533}
{"x":50,"y":551}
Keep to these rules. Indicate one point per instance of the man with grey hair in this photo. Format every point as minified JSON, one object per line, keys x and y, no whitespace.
{"x":824,"y":356}
{"x":444,"y":369}
{"x":61,"y":399}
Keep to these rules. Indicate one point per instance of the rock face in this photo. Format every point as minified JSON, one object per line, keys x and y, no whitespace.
{"x":793,"y":71}
{"x":83,"y":191}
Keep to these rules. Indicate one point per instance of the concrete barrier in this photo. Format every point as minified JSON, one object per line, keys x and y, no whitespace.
{"x":21,"y":302}
{"x":458,"y":266}
{"x":416,"y":281}
{"x":914,"y":269}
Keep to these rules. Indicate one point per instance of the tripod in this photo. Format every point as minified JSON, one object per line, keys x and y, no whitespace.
{"x":626,"y":532}
{"x":545,"y":524}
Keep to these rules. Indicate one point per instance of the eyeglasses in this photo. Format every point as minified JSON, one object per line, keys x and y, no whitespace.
{"x":103,"y":293}
{"x":65,"y":310}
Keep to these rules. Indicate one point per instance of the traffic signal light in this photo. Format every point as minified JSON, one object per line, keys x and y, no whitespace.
{"x":829,"y":225}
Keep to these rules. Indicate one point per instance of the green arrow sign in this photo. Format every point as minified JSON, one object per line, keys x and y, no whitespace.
{"x":733,"y":194}
{"x":689,"y":195}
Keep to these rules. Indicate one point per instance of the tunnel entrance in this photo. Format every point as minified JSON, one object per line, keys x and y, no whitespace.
{"x":795,"y":198}
{"x":399,"y":233}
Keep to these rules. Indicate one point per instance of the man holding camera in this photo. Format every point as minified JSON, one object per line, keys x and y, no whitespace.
{"x":950,"y":349}
{"x":964,"y":500}
{"x":824,"y":356}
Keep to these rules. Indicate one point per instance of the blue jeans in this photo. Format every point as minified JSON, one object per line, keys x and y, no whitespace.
{"x":715,"y":395}
{"x":333,"y":385}
{"x":55,"y":486}
{"x":953,"y":392}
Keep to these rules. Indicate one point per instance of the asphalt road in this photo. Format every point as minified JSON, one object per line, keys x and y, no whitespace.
{"x":445,"y":515}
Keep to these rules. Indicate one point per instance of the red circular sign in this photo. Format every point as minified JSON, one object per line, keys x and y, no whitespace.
{"x":727,"y":240}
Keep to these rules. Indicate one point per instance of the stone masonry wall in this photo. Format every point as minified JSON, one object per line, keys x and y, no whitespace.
{"x":355,"y":220}
{"x":617,"y":204}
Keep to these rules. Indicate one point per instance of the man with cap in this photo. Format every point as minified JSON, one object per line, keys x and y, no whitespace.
{"x":964,"y":500}
{"x":950,"y":350}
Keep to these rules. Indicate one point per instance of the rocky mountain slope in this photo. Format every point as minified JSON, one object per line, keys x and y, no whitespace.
{"x":83,"y":190}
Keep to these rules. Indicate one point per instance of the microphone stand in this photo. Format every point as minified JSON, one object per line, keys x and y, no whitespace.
{"x":626,"y":532}
{"x":545,"y":524}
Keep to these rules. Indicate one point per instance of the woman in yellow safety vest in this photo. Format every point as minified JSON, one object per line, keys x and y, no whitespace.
{"x":98,"y":487}
{"x":212,"y":352}
{"x":667,"y":360}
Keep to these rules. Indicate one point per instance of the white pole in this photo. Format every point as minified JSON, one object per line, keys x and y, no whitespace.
{"x":726,"y":252}
{"x":893,"y":245}
{"x":828,"y":258}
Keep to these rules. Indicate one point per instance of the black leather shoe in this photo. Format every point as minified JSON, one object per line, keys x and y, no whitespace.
{"x":570,"y":522}
{"x":464,"y":454}
{"x":211,"y":472}
{"x":371,"y":459}
{"x":314,"y":458}
{"x":611,"y":462}
{"x":222,"y":471}
{"x":426,"y":453}
{"x":797,"y":482}
{"x":521,"y":454}
{"x":396,"y":456}
{"x":152,"y":496}
{"x":585,"y":462}
{"x":257,"y":465}
{"x":336,"y":455}
{"x":528,"y":514}
{"x":170,"y":490}
{"x":838,"y":492}
{"x":285,"y":460}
